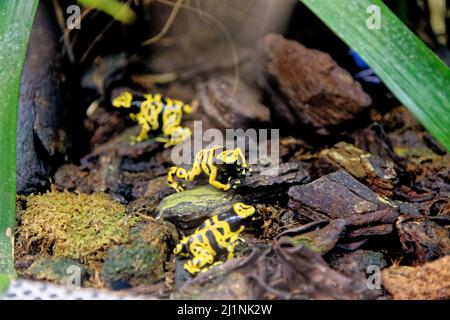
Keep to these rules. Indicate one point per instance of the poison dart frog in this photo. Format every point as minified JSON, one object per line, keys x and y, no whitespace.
{"x":214,"y":239}
{"x":156,"y":113}
{"x":216,"y":163}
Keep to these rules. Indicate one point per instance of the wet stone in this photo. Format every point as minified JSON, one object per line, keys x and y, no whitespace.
{"x":188,"y":209}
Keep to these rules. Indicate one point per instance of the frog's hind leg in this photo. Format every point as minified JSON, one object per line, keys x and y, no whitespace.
{"x":201,"y":261}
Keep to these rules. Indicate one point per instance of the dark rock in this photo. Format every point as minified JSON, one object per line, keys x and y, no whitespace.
{"x":222,"y":282}
{"x":357,"y":262}
{"x":157,"y":189}
{"x":307,"y":86}
{"x":56,"y":269}
{"x":360,"y":265}
{"x":422,"y":239}
{"x":142,"y":260}
{"x":229,"y":103}
{"x":263,"y":186}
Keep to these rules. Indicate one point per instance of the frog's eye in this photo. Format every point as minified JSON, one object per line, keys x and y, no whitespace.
{"x":178,"y":249}
{"x":187,"y":109}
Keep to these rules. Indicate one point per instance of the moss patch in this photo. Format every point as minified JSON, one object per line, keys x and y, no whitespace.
{"x":73,"y":225}
{"x":55,"y":269}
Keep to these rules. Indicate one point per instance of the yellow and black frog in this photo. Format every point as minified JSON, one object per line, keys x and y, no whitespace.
{"x":215,"y":239}
{"x":220,"y":165}
{"x":158,"y":114}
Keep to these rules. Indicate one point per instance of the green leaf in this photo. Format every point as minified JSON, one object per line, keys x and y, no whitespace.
{"x":414,"y":74}
{"x":16,"y":19}
{"x":4,"y":284}
{"x":118,"y":10}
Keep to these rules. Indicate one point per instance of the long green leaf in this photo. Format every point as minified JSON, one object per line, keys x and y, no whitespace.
{"x":413,"y":73}
{"x":16,"y":19}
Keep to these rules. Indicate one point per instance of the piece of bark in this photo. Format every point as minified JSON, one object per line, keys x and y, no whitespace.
{"x":378,"y":174}
{"x":307,"y":86}
{"x":422,"y":239}
{"x":340,"y":196}
{"x":230,"y":104}
{"x":430,"y":281}
{"x":321,"y":240}
{"x":295,"y":272}
{"x":40,"y":131}
{"x":336,"y":195}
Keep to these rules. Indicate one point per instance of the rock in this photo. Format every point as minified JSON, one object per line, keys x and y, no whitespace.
{"x":140,"y":262}
{"x":377,"y":173}
{"x":229,"y":103}
{"x":42,"y":139}
{"x":430,"y":281}
{"x":360,"y":265}
{"x":188,"y":209}
{"x":219,"y":283}
{"x":423,"y":239}
{"x":57,"y":270}
{"x":357,"y":262}
{"x":157,"y":189}
{"x":308,"y":87}
{"x":260,"y":188}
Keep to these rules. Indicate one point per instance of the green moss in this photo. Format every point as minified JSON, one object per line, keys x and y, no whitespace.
{"x":138,"y":263}
{"x":54,"y":269}
{"x":142,"y":260}
{"x":72,"y":225}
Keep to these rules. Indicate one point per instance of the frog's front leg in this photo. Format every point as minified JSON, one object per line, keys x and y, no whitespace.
{"x":171,"y":178}
{"x":213,"y":180}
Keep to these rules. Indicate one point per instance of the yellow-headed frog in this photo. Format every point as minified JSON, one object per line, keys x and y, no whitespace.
{"x":221,"y":166}
{"x":158,"y":114}
{"x":215,"y":239}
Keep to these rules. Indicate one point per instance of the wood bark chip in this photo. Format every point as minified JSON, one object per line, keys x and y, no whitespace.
{"x":340,"y":196}
{"x":423,"y":239}
{"x":307,"y":86}
{"x":227,"y":109}
{"x":377,"y":173}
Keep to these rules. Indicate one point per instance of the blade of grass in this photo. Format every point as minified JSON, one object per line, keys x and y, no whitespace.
{"x":118,"y":10}
{"x":16,"y":19}
{"x":414,"y":74}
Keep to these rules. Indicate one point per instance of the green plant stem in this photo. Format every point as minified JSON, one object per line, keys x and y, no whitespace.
{"x":16,"y":19}
{"x":413,"y":73}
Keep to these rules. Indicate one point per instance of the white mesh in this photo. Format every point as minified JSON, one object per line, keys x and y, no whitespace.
{"x":36,"y":290}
